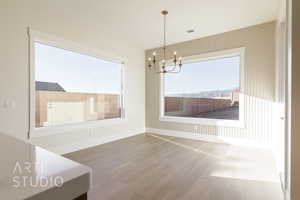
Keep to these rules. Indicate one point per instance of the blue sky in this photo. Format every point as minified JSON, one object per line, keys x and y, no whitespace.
{"x":81,"y":73}
{"x":76,"y":72}
{"x":216,"y":74}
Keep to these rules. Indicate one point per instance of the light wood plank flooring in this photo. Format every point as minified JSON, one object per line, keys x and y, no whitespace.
{"x":152,"y":167}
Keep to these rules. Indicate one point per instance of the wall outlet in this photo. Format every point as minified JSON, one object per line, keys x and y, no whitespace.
{"x":12,"y":104}
{"x":195,"y":129}
{"x":8,"y":104}
{"x":5,"y":104}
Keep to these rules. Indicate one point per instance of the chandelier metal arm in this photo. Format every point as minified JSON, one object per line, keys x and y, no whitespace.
{"x":170,"y":71}
{"x":152,"y":63}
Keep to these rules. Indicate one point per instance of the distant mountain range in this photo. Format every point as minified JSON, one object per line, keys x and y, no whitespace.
{"x":206,"y":94}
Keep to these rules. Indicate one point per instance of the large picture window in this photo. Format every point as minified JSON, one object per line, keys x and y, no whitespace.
{"x":72,"y":87}
{"x":208,"y":88}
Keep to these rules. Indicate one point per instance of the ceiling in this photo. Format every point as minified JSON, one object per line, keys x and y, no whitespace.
{"x":139,"y":22}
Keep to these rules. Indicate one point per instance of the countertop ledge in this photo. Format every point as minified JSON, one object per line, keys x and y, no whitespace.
{"x":30,"y":172}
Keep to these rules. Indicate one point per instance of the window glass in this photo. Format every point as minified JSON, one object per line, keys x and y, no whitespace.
{"x":204,"y":89}
{"x":72,"y":87}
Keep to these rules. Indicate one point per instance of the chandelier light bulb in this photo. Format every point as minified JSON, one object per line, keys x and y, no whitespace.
{"x":175,"y":53}
{"x":154,"y":53}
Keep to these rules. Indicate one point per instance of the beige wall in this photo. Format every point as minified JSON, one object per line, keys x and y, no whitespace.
{"x":259,"y":82}
{"x":63,"y":19}
{"x":295,"y":140}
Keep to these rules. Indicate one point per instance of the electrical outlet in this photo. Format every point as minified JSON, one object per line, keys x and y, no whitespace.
{"x":195,"y":129}
{"x":6,"y":104}
{"x":12,"y":104}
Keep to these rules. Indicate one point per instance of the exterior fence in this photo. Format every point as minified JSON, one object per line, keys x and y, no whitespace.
{"x":183,"y":106}
{"x":54,"y":108}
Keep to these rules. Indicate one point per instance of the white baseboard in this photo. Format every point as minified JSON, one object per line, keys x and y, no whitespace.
{"x":210,"y":138}
{"x":91,"y":142}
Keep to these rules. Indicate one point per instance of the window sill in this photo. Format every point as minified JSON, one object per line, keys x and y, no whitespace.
{"x":203,"y":121}
{"x":66,"y":128}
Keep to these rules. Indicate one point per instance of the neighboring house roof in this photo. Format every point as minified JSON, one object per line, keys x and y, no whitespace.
{"x":48,"y":86}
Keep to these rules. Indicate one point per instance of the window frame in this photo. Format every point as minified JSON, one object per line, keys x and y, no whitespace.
{"x":205,"y":121}
{"x":46,"y":39}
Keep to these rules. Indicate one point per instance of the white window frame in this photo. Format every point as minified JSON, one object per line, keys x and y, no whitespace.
{"x":46,"y":39}
{"x":205,"y":121}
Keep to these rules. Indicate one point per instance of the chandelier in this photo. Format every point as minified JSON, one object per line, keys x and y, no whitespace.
{"x":161,"y":66}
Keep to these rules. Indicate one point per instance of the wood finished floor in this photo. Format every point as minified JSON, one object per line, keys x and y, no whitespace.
{"x":152,"y":167}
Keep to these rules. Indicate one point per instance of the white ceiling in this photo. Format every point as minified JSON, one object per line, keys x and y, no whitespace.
{"x":139,"y":22}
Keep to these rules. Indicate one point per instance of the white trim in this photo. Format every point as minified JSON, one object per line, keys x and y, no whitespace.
{"x":209,"y":122}
{"x":210,"y":138}
{"x":203,"y":121}
{"x":288,"y":101}
{"x":35,"y":36}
